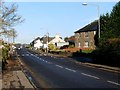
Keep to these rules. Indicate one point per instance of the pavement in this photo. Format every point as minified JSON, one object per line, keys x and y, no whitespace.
{"x":14,"y":77}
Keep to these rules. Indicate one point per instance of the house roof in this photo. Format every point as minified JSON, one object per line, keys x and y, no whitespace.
{"x":38,"y":38}
{"x":90,"y":27}
{"x":56,"y":39}
{"x":44,"y":39}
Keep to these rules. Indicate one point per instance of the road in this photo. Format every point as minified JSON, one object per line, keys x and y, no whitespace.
{"x":54,"y":72}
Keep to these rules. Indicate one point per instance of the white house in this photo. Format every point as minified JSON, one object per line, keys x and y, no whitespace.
{"x":58,"y":42}
{"x":37,"y":43}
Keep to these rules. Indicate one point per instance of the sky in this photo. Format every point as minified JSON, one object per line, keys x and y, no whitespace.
{"x":63,"y":18}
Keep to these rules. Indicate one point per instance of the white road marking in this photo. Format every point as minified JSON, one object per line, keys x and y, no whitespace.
{"x":70,"y":69}
{"x":31,"y":54}
{"x":49,"y":62}
{"x":113,"y":83}
{"x":38,"y":57}
{"x":90,"y":75}
{"x":27,"y":54}
{"x":59,"y":66}
{"x":23,"y":55}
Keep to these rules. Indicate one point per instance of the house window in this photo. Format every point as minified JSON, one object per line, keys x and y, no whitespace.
{"x":86,"y":44}
{"x":86,"y":34}
{"x":78,"y":35}
{"x":79,"y":44}
{"x":94,"y":32}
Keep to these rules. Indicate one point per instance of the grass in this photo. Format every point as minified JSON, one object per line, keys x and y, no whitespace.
{"x":87,"y":51}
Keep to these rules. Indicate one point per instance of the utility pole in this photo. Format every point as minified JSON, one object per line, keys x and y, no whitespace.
{"x":47,"y":41}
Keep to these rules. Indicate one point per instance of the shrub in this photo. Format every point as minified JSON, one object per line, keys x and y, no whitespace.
{"x":109,"y":54}
{"x":51,"y":46}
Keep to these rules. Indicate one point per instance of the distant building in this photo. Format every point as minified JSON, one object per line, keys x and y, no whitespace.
{"x":71,"y":40}
{"x":85,"y":37}
{"x":58,"y":42}
{"x":45,"y":40}
{"x":37,"y":43}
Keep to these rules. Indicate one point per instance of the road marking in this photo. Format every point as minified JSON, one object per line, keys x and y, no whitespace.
{"x":23,"y":55}
{"x":113,"y":82}
{"x":48,"y":62}
{"x":27,"y":54}
{"x":39,"y":58}
{"x":70,"y":69}
{"x":59,"y":66}
{"x":31,"y":54}
{"x":90,"y":75}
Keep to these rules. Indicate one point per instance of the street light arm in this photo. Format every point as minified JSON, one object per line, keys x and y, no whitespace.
{"x":98,"y":8}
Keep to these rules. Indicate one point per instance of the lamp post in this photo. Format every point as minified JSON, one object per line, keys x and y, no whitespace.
{"x":98,"y":8}
{"x":47,"y":41}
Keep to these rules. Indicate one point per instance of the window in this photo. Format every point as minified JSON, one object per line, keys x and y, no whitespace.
{"x":79,"y":44}
{"x":86,"y":44}
{"x":86,"y":34}
{"x":94,"y":32}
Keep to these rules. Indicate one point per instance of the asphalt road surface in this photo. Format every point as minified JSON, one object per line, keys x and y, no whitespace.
{"x":54,"y":72}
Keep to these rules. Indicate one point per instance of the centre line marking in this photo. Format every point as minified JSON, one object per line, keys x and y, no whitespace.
{"x":113,"y":82}
{"x":90,"y":75}
{"x":49,"y":62}
{"x":70,"y":69}
{"x":59,"y":66}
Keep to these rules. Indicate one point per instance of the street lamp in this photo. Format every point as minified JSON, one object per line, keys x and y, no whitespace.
{"x":98,"y":16}
{"x":47,"y":41}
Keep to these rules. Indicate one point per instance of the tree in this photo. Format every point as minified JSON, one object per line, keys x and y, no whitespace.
{"x":110,"y":26}
{"x":109,"y":44}
{"x":8,"y":17}
{"x":115,"y":20}
{"x":66,"y":39}
{"x":12,"y":34}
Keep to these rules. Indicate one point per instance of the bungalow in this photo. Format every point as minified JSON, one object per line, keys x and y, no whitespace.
{"x":85,"y":37}
{"x":58,"y":42}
